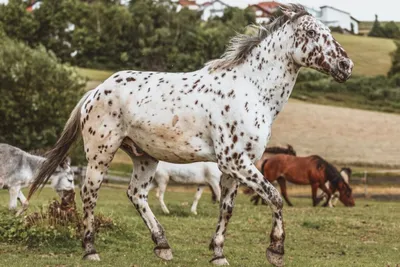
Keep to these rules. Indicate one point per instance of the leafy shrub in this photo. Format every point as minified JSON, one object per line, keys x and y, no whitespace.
{"x":379,"y":92}
{"x":37,"y":95}
{"x":50,"y":226}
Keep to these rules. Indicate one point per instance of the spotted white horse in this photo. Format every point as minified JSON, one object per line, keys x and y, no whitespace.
{"x":199,"y":173}
{"x":221,"y":113}
{"x":17,"y":170}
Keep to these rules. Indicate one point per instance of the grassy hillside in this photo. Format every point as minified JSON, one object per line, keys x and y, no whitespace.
{"x":371,"y":55}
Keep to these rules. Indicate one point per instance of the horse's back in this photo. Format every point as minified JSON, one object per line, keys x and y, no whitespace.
{"x":149,"y":108}
{"x":184,"y":173}
{"x":12,"y":167}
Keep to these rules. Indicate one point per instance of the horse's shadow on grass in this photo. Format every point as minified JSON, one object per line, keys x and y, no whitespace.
{"x":183,"y":212}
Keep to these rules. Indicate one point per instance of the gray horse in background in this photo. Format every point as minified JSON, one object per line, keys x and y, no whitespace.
{"x":18,"y":168}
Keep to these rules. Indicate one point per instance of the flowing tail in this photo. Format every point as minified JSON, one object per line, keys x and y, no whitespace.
{"x":59,"y":152}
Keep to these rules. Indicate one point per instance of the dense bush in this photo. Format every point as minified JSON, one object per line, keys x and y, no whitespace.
{"x":37,"y":95}
{"x":379,"y":92}
{"x":389,"y":30}
{"x":395,"y":69}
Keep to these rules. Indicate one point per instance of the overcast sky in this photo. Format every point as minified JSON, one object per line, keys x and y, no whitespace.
{"x":360,"y":9}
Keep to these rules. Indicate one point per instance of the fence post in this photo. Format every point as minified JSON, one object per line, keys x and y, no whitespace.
{"x":365,"y":184}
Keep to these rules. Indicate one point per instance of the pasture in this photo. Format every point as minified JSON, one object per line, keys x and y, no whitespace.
{"x":366,"y":235}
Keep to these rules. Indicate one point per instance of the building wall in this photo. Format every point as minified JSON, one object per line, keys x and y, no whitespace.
{"x":335,"y":18}
{"x":355,"y":23}
{"x":216,"y":9}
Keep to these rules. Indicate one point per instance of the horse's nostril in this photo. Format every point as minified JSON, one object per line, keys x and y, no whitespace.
{"x":344,"y":65}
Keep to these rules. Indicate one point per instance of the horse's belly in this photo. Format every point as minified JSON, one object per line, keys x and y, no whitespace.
{"x":174,"y":145}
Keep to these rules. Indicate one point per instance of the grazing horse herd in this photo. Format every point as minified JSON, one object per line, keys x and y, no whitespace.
{"x":222,"y":114}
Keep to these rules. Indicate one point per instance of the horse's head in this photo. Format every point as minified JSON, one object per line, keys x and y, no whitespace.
{"x":314,"y":46}
{"x":345,"y":172}
{"x":63,"y":180}
{"x":345,"y":194}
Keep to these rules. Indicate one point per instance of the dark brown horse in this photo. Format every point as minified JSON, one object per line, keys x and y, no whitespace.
{"x":312,"y":170}
{"x":268,"y":152}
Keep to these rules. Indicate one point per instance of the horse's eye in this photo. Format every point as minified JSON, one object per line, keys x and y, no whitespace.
{"x":311,"y":33}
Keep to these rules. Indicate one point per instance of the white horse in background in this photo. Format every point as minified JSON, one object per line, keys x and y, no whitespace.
{"x":17,"y":170}
{"x":220,"y":113}
{"x":200,"y":173}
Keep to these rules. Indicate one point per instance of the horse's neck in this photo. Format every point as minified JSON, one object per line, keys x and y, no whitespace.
{"x":34,"y":163}
{"x":272,"y":71}
{"x":345,"y":176}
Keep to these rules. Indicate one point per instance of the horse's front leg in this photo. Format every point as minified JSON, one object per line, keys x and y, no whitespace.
{"x":24,"y":203}
{"x":250,"y":176}
{"x":245,"y":172}
{"x":142,"y":177}
{"x":229,"y":187}
{"x":328,"y":195}
{"x":13,"y":191}
{"x":197,"y":197}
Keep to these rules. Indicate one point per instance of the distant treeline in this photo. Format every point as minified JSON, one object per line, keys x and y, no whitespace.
{"x":146,"y":34}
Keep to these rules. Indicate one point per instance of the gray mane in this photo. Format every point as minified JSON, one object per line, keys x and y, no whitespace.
{"x":242,"y":44}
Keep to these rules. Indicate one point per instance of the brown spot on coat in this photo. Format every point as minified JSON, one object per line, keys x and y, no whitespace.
{"x":175,"y":120}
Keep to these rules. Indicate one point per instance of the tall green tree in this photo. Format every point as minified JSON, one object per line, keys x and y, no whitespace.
{"x":377,"y":30}
{"x":18,"y":23}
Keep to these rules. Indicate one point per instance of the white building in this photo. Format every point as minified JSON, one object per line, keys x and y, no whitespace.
{"x":212,"y":9}
{"x":333,"y":17}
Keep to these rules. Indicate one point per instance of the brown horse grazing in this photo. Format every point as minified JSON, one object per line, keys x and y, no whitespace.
{"x":312,"y":170}
{"x":345,"y":172}
{"x":268,"y":152}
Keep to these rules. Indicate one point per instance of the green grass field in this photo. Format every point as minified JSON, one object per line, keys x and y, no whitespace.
{"x":367,"y":235}
{"x":371,"y":56}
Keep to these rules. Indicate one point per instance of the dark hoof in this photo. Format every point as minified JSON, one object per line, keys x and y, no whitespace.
{"x":219,"y":261}
{"x":163,"y":253}
{"x":275,"y":258}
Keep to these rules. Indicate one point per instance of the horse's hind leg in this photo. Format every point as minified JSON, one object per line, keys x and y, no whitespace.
{"x":314,"y":188}
{"x":197,"y":197}
{"x":143,"y":175}
{"x":162,"y":187}
{"x":282,"y":184}
{"x":99,"y":153}
{"x":228,"y":193}
{"x":215,"y":189}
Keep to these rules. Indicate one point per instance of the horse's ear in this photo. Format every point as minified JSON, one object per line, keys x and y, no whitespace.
{"x":287,"y":12}
{"x":349,"y":170}
{"x":66,"y":162}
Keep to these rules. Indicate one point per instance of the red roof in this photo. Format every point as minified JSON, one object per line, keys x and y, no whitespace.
{"x":269,"y":6}
{"x":187,"y":2}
